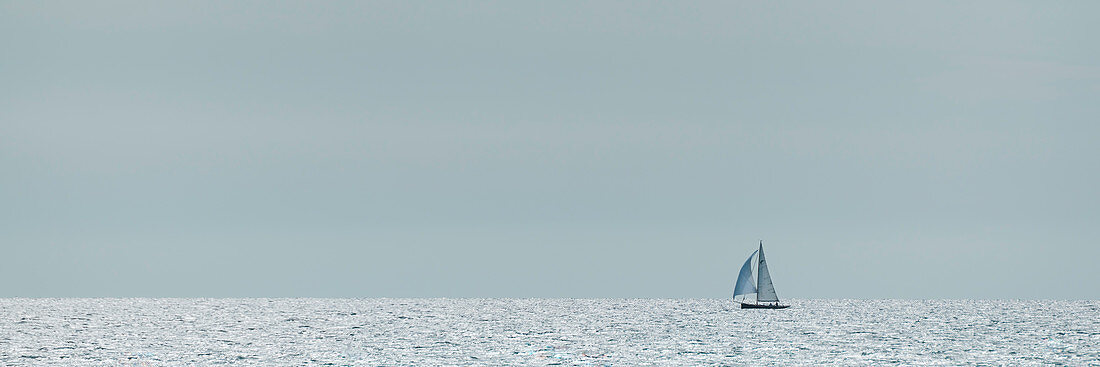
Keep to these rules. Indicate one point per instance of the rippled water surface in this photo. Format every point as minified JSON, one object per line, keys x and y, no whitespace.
{"x":631,"y":332}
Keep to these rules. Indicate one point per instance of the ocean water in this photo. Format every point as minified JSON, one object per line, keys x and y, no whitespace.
{"x":572,"y":332}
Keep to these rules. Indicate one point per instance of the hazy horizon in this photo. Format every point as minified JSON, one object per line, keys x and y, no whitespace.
{"x":549,"y":150}
{"x":733,"y":303}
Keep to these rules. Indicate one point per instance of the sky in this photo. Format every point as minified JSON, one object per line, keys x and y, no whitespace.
{"x":549,"y":149}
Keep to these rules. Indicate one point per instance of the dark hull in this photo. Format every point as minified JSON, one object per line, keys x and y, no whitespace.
{"x":761,"y":305}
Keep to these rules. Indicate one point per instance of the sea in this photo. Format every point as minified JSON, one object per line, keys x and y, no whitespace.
{"x":542,"y":332}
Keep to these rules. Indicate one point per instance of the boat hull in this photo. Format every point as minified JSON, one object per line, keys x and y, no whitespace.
{"x":764,"y":306}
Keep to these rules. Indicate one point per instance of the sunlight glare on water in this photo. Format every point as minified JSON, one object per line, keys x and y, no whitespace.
{"x":582,"y":332}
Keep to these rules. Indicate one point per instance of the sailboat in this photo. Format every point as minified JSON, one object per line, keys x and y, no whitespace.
{"x":763,"y":287}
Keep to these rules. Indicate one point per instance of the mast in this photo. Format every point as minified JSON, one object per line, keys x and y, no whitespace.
{"x":765,"y":290}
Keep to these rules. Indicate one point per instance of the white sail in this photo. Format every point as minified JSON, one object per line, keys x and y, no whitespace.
{"x":765,"y":291}
{"x":744,"y":279}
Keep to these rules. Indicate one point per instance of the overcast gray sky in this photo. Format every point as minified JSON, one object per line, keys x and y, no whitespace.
{"x":549,"y":149}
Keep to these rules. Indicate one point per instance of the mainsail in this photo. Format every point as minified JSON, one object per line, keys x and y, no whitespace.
{"x":765,"y":289}
{"x":744,"y":279}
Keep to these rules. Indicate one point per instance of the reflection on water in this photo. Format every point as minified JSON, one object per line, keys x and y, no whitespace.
{"x":581,"y":332}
